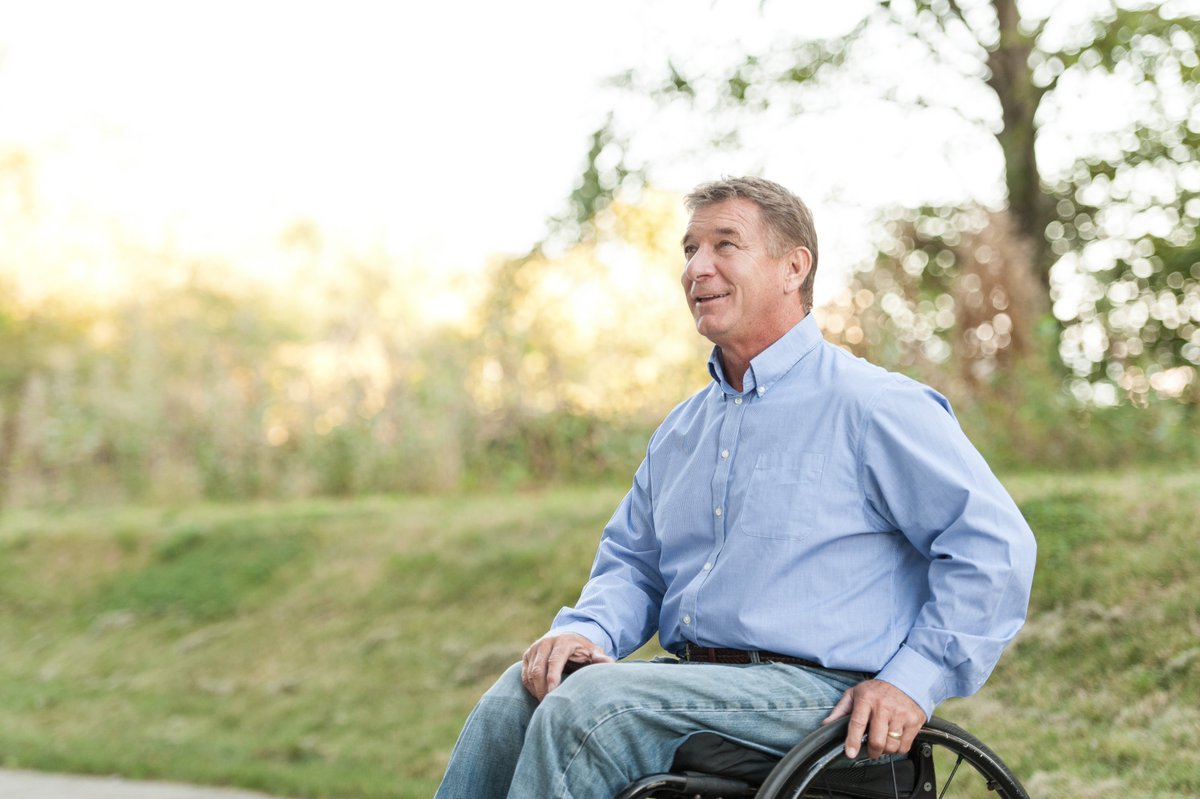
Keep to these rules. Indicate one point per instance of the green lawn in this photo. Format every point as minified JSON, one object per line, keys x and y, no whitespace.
{"x":332,"y":649}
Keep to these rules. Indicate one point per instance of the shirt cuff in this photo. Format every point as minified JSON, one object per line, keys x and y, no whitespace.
{"x":589,"y":630}
{"x":921,"y":679}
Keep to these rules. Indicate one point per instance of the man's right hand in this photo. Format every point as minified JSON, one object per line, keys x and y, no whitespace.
{"x":543,"y":663}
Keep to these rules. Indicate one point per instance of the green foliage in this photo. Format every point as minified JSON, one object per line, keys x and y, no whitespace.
{"x":202,"y":390}
{"x":1032,"y":422}
{"x":606,"y":172}
{"x":205,"y":391}
{"x":1135,"y":252}
{"x":29,"y":340}
{"x":560,"y":447}
{"x":210,"y":396}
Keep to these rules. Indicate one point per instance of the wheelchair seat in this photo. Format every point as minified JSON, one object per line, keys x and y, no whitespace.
{"x":709,"y":766}
{"x":707,"y":753}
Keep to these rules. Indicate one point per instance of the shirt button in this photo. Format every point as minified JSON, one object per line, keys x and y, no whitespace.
{"x":687,"y":619}
{"x":707,"y":566}
{"x":761,"y":391}
{"x":724,"y":453}
{"x":737,"y":400}
{"x":717,"y":512}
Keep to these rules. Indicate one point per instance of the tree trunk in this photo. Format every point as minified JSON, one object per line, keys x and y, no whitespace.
{"x":1023,"y":284}
{"x":10,"y":417}
{"x":1012,"y":80}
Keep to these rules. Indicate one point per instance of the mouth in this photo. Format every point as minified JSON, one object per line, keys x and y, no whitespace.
{"x":701,"y":299}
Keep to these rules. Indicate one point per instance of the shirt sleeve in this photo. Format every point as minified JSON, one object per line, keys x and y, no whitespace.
{"x":922,"y":477}
{"x":619,"y":606}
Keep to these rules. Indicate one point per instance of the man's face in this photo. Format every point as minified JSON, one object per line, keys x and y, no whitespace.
{"x":742,"y":298}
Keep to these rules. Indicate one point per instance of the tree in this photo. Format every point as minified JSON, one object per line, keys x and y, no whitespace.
{"x":1103,"y":218}
{"x":583,"y":346}
{"x":32,"y":336}
{"x":28,"y":335}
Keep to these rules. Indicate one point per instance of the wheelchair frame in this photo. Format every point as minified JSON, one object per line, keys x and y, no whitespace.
{"x":817,"y":767}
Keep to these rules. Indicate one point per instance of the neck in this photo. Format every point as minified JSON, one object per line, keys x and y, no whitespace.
{"x":735,"y":360}
{"x":734,"y":369}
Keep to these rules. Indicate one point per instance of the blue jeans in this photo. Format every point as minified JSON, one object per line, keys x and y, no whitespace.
{"x":610,"y":723}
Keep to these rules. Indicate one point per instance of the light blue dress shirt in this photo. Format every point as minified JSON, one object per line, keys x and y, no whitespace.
{"x":831,"y":511}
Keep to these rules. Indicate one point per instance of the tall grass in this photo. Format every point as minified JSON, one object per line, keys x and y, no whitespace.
{"x":198,"y":392}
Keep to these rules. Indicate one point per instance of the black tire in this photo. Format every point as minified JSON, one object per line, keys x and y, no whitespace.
{"x":686,"y":786}
{"x":966,"y":768}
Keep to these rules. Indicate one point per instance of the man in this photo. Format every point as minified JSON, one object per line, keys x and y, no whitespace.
{"x":812,"y":537}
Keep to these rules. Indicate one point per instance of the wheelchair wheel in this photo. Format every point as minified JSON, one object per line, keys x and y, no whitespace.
{"x":950,"y":763}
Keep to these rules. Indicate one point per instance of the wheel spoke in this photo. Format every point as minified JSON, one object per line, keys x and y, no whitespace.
{"x":950,"y":779}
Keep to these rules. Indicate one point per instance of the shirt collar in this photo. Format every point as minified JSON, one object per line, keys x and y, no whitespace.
{"x":775,"y":361}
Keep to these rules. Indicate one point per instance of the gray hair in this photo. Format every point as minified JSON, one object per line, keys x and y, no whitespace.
{"x":788,"y":220}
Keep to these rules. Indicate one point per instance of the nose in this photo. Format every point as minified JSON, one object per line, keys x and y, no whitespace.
{"x":699,"y":266}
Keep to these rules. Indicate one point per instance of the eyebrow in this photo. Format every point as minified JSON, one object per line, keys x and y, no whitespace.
{"x":728,"y":232}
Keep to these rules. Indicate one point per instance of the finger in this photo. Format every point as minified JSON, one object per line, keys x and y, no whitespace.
{"x":533,"y":672}
{"x":877,"y":735}
{"x":910,"y":737}
{"x":860,"y":715}
{"x":530,"y":676}
{"x":894,"y":741}
{"x":600,"y":656}
{"x":583,"y":654}
{"x":560,"y":652}
{"x":842,"y":708}
{"x":913,"y":722}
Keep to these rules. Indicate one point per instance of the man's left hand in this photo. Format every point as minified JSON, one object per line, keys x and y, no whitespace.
{"x":886,"y":715}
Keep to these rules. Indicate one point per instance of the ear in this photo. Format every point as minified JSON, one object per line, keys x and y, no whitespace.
{"x":796,"y":268}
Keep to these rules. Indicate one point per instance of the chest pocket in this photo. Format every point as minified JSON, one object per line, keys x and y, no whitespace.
{"x":783,"y":495}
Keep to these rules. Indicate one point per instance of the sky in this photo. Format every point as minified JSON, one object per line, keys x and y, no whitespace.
{"x":439,"y":132}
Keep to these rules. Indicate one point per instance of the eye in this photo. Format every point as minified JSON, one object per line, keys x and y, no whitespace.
{"x":689,"y":250}
{"x":725,"y":245}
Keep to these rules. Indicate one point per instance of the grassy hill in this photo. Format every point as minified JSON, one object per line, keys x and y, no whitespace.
{"x":332,"y":649}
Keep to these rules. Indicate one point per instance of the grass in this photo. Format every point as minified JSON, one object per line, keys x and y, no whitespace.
{"x":332,"y":649}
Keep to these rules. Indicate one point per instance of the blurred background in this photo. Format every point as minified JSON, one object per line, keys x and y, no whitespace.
{"x":325,"y":327}
{"x":278,"y":251}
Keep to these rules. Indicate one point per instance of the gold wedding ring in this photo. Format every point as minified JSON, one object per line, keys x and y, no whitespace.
{"x":896,"y":735}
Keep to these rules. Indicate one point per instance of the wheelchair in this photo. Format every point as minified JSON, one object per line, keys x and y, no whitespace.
{"x":945,"y":762}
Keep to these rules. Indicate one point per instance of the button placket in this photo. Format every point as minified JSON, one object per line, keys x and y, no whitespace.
{"x":732,"y":414}
{"x":723,"y":469}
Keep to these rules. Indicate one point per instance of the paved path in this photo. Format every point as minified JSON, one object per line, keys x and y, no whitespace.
{"x":33,"y":785}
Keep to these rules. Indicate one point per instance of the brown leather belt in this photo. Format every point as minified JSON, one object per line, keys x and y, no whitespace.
{"x":709,"y":654}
